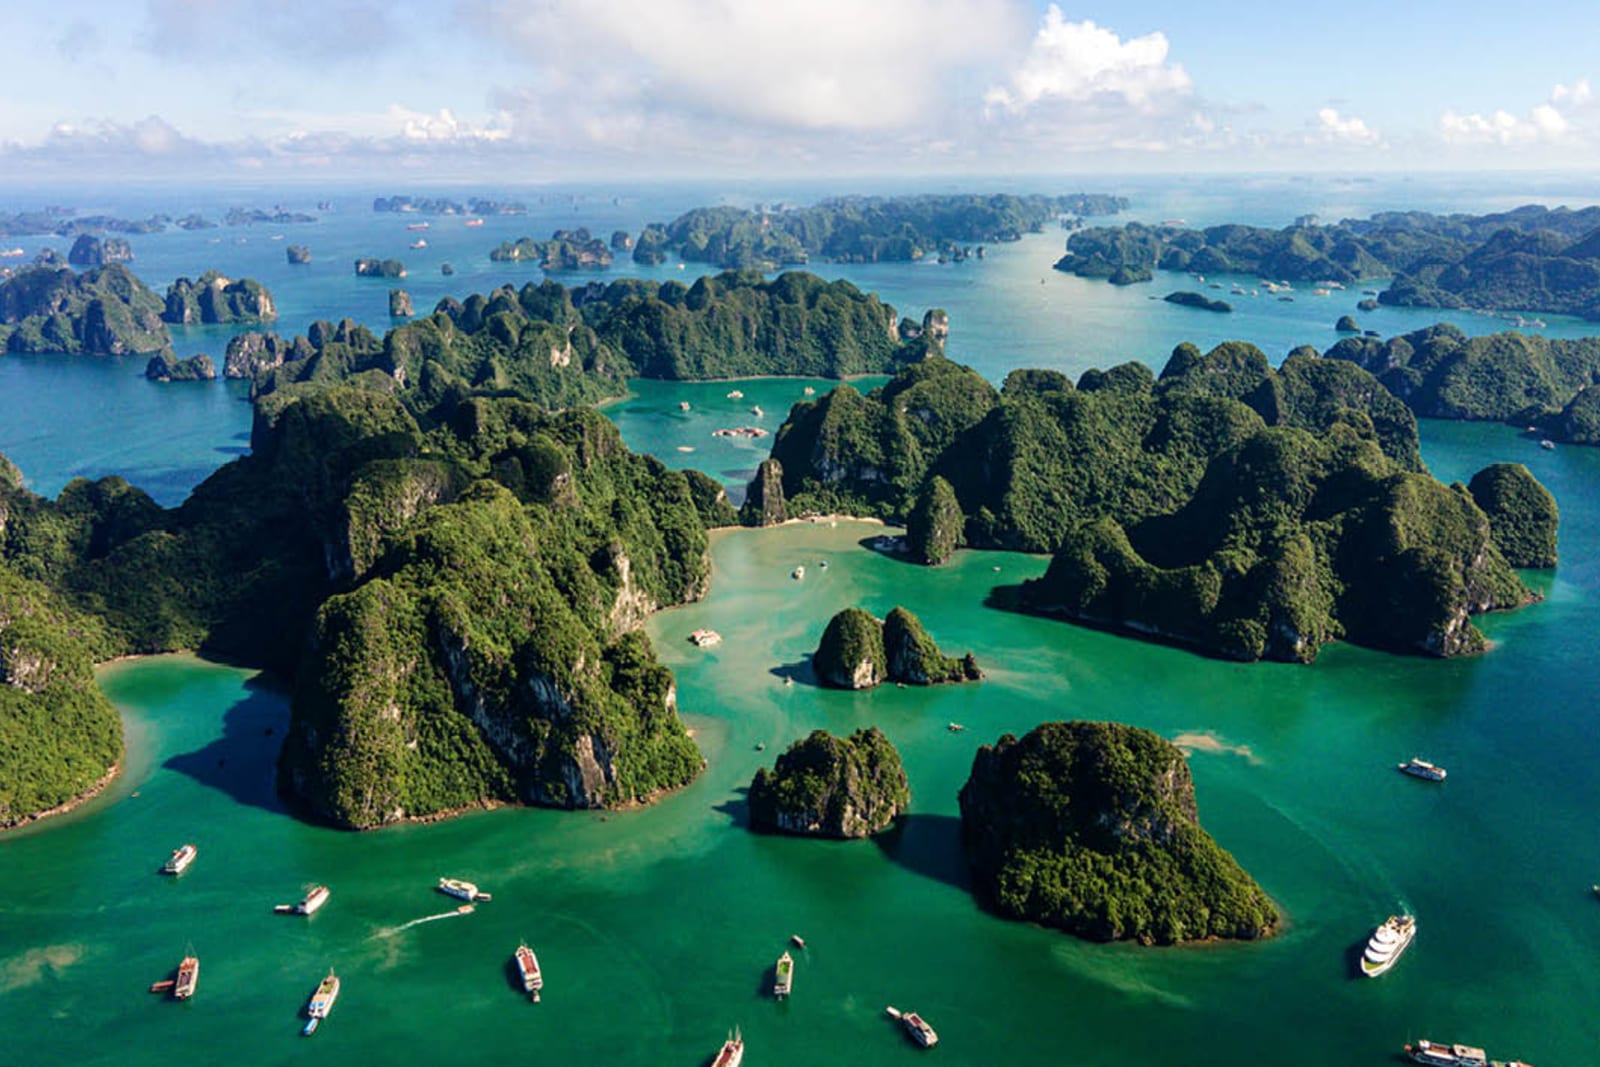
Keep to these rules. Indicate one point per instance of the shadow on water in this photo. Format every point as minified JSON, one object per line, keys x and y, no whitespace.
{"x":233,"y":450}
{"x":799,"y":673}
{"x":242,"y":762}
{"x":929,"y":845}
{"x":737,"y":811}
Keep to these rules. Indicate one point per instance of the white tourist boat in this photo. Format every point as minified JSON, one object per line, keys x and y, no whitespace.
{"x":1387,"y":943}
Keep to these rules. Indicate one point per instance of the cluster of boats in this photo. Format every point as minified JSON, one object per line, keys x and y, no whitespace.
{"x":187,"y":979}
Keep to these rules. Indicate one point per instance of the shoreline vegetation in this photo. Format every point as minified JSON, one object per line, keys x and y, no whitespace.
{"x":94,"y":791}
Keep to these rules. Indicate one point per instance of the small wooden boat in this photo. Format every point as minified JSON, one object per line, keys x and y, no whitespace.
{"x":797,"y":941}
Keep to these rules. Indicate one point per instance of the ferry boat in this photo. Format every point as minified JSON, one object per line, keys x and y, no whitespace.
{"x":736,"y":395}
{"x":188,"y":978}
{"x":473,"y":222}
{"x":732,"y":1053}
{"x":180,"y":859}
{"x":1437,"y":1055}
{"x":321,"y":1002}
{"x":1387,"y":944}
{"x":1421,"y":768}
{"x":915,"y":1025}
{"x":783,"y":976}
{"x":462,"y":890}
{"x":528,"y":969}
{"x":416,"y":225}
{"x":705,"y":638}
{"x":315,"y":898}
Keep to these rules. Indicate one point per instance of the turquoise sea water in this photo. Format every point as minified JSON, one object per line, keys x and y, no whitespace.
{"x":657,"y":928}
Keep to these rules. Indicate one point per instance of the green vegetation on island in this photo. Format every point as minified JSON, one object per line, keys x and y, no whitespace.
{"x":373,"y":267}
{"x":213,"y":299}
{"x":1521,"y":512}
{"x":1523,"y":379}
{"x":858,"y":651}
{"x":859,"y":229}
{"x":91,"y":251}
{"x":103,"y":312}
{"x":560,"y":347}
{"x":829,"y":786}
{"x":565,"y":250}
{"x":59,"y":735}
{"x":1198,"y":300}
{"x":1093,"y":828}
{"x":1246,"y":511}
{"x":165,"y":367}
{"x":1530,"y":259}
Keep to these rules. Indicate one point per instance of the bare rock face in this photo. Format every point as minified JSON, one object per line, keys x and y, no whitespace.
{"x":764,"y":504}
{"x":400,"y":304}
{"x":828,"y":786}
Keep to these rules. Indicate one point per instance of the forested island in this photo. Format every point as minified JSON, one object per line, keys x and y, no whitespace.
{"x":441,"y":205}
{"x":859,"y":229}
{"x":66,"y":222}
{"x":432,"y":521}
{"x":108,"y":311}
{"x":565,"y":250}
{"x":1530,"y":259}
{"x":827,"y":786}
{"x":1092,"y":827}
{"x":563,"y":346}
{"x":1522,"y":379}
{"x":1245,"y":511}
{"x":858,"y":651}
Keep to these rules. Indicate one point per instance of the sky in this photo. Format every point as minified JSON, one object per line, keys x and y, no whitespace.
{"x":552,"y":90}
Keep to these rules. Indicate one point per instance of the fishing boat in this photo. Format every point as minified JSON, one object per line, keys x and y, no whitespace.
{"x":321,"y":1002}
{"x":315,"y":898}
{"x":1387,"y":944}
{"x":180,"y":859}
{"x":1421,"y":768}
{"x":783,"y":976}
{"x":188,"y":978}
{"x":683,"y":405}
{"x":732,"y":1053}
{"x":915,"y":1025}
{"x":528,"y":969}
{"x":1548,"y":445}
{"x":798,"y":573}
{"x":420,"y":242}
{"x":736,"y":395}
{"x":462,"y":890}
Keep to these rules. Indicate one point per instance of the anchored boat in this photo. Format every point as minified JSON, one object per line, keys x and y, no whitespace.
{"x":1421,"y":768}
{"x":528,"y":969}
{"x":188,"y":978}
{"x":180,"y":859}
{"x":783,"y":976}
{"x":915,"y":1025}
{"x":321,"y":1002}
{"x":732,"y":1053}
{"x":315,"y":898}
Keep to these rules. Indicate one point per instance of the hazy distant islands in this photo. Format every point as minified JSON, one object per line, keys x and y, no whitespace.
{"x":855,"y":229}
{"x":1531,"y":259}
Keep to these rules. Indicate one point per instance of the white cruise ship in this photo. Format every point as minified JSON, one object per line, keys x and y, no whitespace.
{"x":1387,"y":944}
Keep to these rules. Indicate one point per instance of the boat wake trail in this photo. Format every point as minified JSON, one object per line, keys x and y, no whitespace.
{"x":390,"y":931}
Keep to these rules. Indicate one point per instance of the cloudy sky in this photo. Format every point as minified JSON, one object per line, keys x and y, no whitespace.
{"x":564,"y":89}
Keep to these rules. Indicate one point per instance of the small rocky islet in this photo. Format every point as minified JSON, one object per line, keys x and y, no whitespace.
{"x":859,"y":651}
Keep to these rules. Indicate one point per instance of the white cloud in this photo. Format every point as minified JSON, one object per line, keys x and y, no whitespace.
{"x":1569,"y":115}
{"x":1333,"y":127}
{"x":442,"y":127}
{"x":827,"y":65}
{"x":1079,"y":62}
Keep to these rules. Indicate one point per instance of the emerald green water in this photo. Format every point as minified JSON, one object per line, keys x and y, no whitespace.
{"x":657,"y":928}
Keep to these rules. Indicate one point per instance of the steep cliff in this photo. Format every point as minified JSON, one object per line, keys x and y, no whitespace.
{"x":828,"y":786}
{"x":1093,"y":828}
